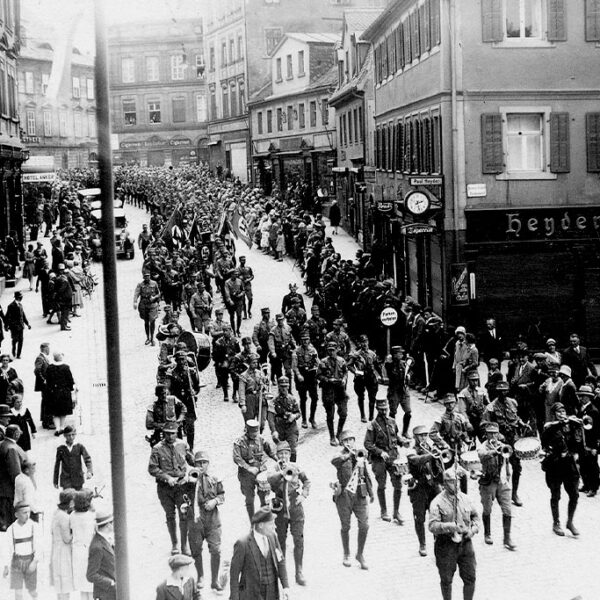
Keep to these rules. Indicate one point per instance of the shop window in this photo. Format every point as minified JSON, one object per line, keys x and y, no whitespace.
{"x":154,"y":115}
{"x":129,"y":112}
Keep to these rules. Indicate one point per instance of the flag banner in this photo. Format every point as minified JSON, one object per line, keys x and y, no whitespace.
{"x":171,"y":234}
{"x":240,"y":227}
{"x":224,"y":226}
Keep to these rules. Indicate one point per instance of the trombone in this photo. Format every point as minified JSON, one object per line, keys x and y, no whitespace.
{"x":444,"y":455}
{"x":503,"y":450}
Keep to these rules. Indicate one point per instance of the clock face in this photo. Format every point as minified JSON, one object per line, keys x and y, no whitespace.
{"x":417,"y":203}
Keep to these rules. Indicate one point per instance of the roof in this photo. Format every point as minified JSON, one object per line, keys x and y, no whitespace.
{"x":381,"y":21}
{"x":330,"y":77}
{"x":42,"y":50}
{"x":358,"y":20}
{"x":307,"y":38}
{"x":357,"y":83}
{"x":262,"y":93}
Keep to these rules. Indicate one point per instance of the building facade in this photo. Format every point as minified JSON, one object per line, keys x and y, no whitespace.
{"x":292,"y":124}
{"x":159,"y":104}
{"x":487,"y":163}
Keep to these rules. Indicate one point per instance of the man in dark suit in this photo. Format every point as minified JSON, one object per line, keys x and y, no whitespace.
{"x":521,"y":386}
{"x":15,"y":321}
{"x":588,"y":461}
{"x":179,"y":585}
{"x":490,"y":343}
{"x":101,"y":558}
{"x":577,"y":357}
{"x":12,"y":459}
{"x":258,"y":563}
{"x":63,"y":296}
{"x":39,"y":370}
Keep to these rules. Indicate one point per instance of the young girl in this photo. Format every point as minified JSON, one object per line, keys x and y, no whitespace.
{"x":22,"y":417}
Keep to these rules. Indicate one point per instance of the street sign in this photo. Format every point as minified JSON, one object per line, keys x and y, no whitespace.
{"x":388,"y":316}
{"x":384,"y":206}
{"x":417,"y":228}
{"x":414,"y":181}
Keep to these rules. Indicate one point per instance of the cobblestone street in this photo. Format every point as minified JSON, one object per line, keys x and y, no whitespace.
{"x":544,"y":566}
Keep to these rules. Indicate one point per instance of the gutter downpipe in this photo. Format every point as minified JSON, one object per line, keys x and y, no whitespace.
{"x":454,"y":106}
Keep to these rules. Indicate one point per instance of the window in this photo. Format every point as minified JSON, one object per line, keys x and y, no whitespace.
{"x":242,"y":98}
{"x":152,"y":68}
{"x":344,"y":129}
{"x":154,"y":111}
{"x":129,"y":112}
{"x":127,"y":70}
{"x":350,"y":128}
{"x":199,"y":66}
{"x":30,"y":122}
{"x":524,"y":148}
{"x":223,"y":54}
{"x":77,"y":124}
{"x":76,"y":88}
{"x":289,"y":69}
{"x":313,"y":114}
{"x":45,"y":80}
{"x":213,"y":102}
{"x":290,"y":118}
{"x":231,"y":50}
{"x":278,"y":76}
{"x":240,"y":47}
{"x":279,"y":119}
{"x":28,"y":82}
{"x":178,"y":110}
{"x":177,"y":67}
{"x":301,"y":116}
{"x":47,"y":123}
{"x":259,"y":122}
{"x":357,"y":132}
{"x":360,"y":122}
{"x":272,"y":37}
{"x":62,"y":123}
{"x":269,"y":121}
{"x":89,"y":88}
{"x":91,"y":119}
{"x":233,"y":99}
{"x":225,"y":100}
{"x":12,"y":93}
{"x":324,"y":112}
{"x":523,"y":18}
{"x":211,"y":58}
{"x":201,"y":108}
{"x":300,"y":63}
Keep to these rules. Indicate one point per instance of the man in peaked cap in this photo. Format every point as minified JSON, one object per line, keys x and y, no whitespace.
{"x":179,"y":584}
{"x":286,"y":415}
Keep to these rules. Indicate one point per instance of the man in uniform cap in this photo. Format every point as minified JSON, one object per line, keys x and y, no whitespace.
{"x":247,"y":276}
{"x":165,"y":408}
{"x":397,"y":368}
{"x":203,"y":497}
{"x":250,"y":454}
{"x":184,"y":383}
{"x":588,"y":461}
{"x":340,"y":337}
{"x":305,"y":360}
{"x":381,"y":441}
{"x":363,"y":363}
{"x":179,"y":585}
{"x":281,"y":345}
{"x":472,"y":401}
{"x":258,"y":564}
{"x":260,"y":334}
{"x":495,"y":483}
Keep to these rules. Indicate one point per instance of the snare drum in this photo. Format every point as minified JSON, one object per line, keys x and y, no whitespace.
{"x":527,"y":448}
{"x":470,"y":461}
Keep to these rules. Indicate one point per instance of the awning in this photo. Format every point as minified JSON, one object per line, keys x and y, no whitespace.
{"x":12,"y":147}
{"x":214,"y":143}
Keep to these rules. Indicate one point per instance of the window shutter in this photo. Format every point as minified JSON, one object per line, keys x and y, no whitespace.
{"x":492,"y":155}
{"x":557,"y":30}
{"x":592,"y":20}
{"x":559,"y":143}
{"x":399,"y":147}
{"x":491,"y":16}
{"x":434,"y":10}
{"x":425,"y":41}
{"x":414,"y":17}
{"x":408,"y":57}
{"x":399,"y":47}
{"x":592,"y":138}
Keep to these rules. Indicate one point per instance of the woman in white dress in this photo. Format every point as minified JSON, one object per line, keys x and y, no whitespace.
{"x":83,"y":524}
{"x":61,"y":561}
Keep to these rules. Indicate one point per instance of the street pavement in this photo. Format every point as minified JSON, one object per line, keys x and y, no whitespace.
{"x":544,"y":566}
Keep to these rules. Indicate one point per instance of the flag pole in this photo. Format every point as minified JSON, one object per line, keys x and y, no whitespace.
{"x":111,"y":313}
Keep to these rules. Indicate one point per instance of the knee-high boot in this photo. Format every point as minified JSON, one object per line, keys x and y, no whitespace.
{"x":487,"y":529}
{"x":172,"y":528}
{"x":506,"y":523}
{"x":362,"y":538}
{"x":298,"y":557}
{"x":405,"y":423}
{"x":215,"y":563}
{"x":183,"y":532}
{"x":558,"y":530}
{"x":396,"y":513}
{"x":383,"y":505}
{"x":346,"y":546}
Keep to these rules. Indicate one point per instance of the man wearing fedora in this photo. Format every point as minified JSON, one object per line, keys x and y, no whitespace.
{"x":15,"y":321}
{"x":258,"y":564}
{"x":577,"y":357}
{"x":5,"y":417}
{"x":101,"y":558}
{"x":12,"y":459}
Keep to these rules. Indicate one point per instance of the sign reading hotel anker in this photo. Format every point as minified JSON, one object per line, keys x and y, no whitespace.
{"x":533,"y":224}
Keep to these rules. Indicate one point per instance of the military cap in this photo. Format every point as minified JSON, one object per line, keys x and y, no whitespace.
{"x":262,"y":515}
{"x":363,"y":338}
{"x":502,"y":385}
{"x":283,"y":446}
{"x":332,"y":345}
{"x":265,"y":310}
{"x":346,"y":434}
{"x":179,"y":560}
{"x":201,"y":456}
{"x":305,"y":335}
{"x":448,"y":398}
{"x":246,"y":338}
{"x":492,"y":428}
{"x":585,"y":390}
{"x":170,"y":427}
{"x":279,"y":316}
{"x":240,"y":257}
{"x":420,"y":430}
{"x":283,"y":379}
{"x":252,"y":425}
{"x":473,"y":374}
{"x":382,"y":403}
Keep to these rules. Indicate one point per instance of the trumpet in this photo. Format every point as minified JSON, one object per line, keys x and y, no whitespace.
{"x":193,"y":475}
{"x":289,"y":474}
{"x":504,"y":450}
{"x":473,"y":474}
{"x":361,"y":454}
{"x":587,"y":422}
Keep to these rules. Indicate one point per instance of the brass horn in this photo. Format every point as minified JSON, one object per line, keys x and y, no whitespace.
{"x":289,"y":474}
{"x":361,"y":454}
{"x":193,"y":475}
{"x":588,"y":422}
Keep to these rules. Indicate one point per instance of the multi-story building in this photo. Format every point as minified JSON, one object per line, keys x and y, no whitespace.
{"x":12,"y":151}
{"x":487,"y":157}
{"x":240,"y":36}
{"x":158,"y":92}
{"x":292,"y":124}
{"x":62,"y":128}
{"x":354,"y":104}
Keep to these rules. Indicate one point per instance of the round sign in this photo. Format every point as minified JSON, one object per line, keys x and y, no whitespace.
{"x":388,"y":316}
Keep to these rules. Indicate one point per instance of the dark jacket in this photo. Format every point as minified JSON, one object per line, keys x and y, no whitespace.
{"x":170,"y":592}
{"x":68,"y":466}
{"x":39,"y":370}
{"x":12,"y":458}
{"x":101,"y":568}
{"x":490,"y":347}
{"x":579,"y":362}
{"x":15,"y":318}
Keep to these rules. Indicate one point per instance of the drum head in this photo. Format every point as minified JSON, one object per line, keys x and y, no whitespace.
{"x":187,"y":337}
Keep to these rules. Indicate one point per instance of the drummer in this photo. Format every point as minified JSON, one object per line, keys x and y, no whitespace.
{"x":494,"y":483}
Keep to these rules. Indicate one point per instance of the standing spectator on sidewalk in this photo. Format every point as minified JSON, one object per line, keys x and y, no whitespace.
{"x":179,"y":585}
{"x":101,"y":560}
{"x":82,"y":522}
{"x":335,"y":216}
{"x":145,"y":300}
{"x":15,"y":321}
{"x":29,"y":267}
{"x":5,"y":415}
{"x":61,"y":558}
{"x":59,"y":389}
{"x":12,"y":459}
{"x":22,"y":417}
{"x":39,"y":370}
{"x":575,"y":356}
{"x":26,"y":489}
{"x":7,"y":376}
{"x":68,"y":468}
{"x":63,"y":297}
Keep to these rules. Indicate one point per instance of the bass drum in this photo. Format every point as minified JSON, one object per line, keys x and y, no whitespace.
{"x":199,"y":344}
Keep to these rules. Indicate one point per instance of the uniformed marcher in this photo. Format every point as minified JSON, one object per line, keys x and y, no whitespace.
{"x":291,"y":487}
{"x":305,"y":361}
{"x":472,"y":401}
{"x":281,"y":346}
{"x":453,"y":520}
{"x":286,"y":413}
{"x":165,"y":409}
{"x":295,"y":317}
{"x":352,"y":493}
{"x":145,"y":299}
{"x":363,"y":363}
{"x":185,"y":384}
{"x":396,"y":368}
{"x":168,"y":465}
{"x":224,"y":350}
{"x":332,"y":374}
{"x":251,"y":453}
{"x":340,"y":337}
{"x":426,"y":469}
{"x":260,"y":334}
{"x":247,"y":276}
{"x":239,"y":364}
{"x":495,"y":483}
{"x":317,"y":328}
{"x":382,"y":440}
{"x":253,"y":389}
{"x":204,"y":495}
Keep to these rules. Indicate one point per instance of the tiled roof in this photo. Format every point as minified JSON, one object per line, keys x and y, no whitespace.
{"x":359,"y":19}
{"x":330,"y":77}
{"x":314,"y":38}
{"x":39,"y":50}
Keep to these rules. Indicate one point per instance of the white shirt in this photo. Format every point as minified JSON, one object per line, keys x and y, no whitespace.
{"x":29,"y":529}
{"x":25,"y":491}
{"x":262,"y":542}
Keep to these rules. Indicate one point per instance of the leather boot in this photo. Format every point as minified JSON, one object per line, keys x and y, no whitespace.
{"x":446,"y":591}
{"x":383,"y":505}
{"x":215,"y":563}
{"x":397,"y":518}
{"x":570,"y":515}
{"x":420,"y":530}
{"x":506,"y":523}
{"x":172,"y":527}
{"x":199,"y":569}
{"x":516,"y":477}
{"x":346,"y":547}
{"x":183,"y":531}
{"x":298,"y":555}
{"x":487,"y":529}
{"x":558,"y":530}
{"x":362,"y":538}
{"x":405,"y":423}
{"x":340,"y":427}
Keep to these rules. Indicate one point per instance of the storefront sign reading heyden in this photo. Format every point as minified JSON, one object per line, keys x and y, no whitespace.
{"x":459,"y":284}
{"x":388,"y":316}
{"x":533,"y":224}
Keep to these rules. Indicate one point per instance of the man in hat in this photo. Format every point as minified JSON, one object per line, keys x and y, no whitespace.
{"x":260,"y":334}
{"x":578,"y":358}
{"x":291,"y":487}
{"x":281,"y":345}
{"x":522,"y":385}
{"x":70,"y":458}
{"x":286,"y":413}
{"x":332,"y":374}
{"x":396,"y":368}
{"x":494,"y":483}
{"x":224,"y":351}
{"x":381,"y":442}
{"x":364,"y":365}
{"x":179,"y":585}
{"x":167,"y":465}
{"x":39,"y":370}
{"x":295,"y":317}
{"x":217,"y":327}
{"x":247,"y":276}
{"x":12,"y":459}
{"x":588,"y":461}
{"x":234,"y":299}
{"x":5,"y":418}
{"x":305,"y":361}
{"x":204,"y":496}
{"x":453,"y":520}
{"x":250,"y":453}
{"x":317,"y":328}
{"x":460,"y":355}
{"x":568,"y":391}
{"x":166,"y":408}
{"x":562,"y":442}
{"x":472,"y":401}
{"x":340,"y":337}
{"x":201,"y":306}
{"x":258,"y":564}
{"x":352,"y":493}
{"x":145,"y":300}
{"x":286,"y":303}
{"x":15,"y":321}
{"x":253,"y":387}
{"x":101,"y":558}
{"x":504,"y":411}
{"x":184,"y":384}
